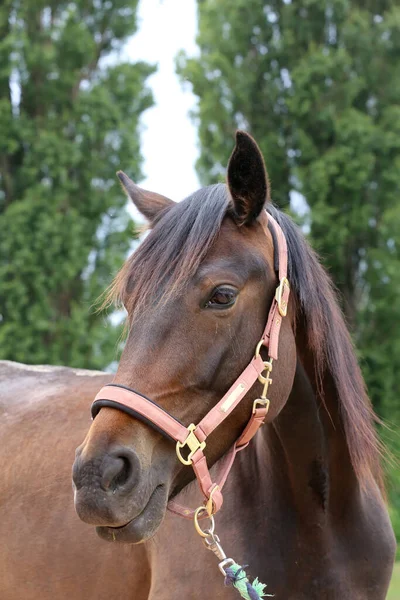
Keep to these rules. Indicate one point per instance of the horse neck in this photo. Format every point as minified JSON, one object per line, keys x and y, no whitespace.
{"x":308,"y":437}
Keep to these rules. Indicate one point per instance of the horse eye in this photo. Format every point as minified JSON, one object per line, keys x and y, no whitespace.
{"x":222,"y":297}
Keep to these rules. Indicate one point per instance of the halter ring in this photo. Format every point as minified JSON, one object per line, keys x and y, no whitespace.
{"x":260,"y":344}
{"x":199,"y":530}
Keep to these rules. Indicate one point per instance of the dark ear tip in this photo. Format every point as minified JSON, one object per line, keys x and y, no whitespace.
{"x":244,"y":138}
{"x":121,"y":176}
{"x":127,"y":183}
{"x":240,"y":135}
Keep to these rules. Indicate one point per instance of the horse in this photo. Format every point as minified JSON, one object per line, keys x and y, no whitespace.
{"x":304,"y":504}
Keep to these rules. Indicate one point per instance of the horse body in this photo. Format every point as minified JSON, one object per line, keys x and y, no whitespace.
{"x":304,"y":503}
{"x":46,"y":552}
{"x":280,"y":514}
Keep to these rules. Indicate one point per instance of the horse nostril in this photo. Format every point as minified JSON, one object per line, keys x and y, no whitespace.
{"x":120,"y":470}
{"x":115,"y":471}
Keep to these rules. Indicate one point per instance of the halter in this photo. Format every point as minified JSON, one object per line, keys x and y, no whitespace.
{"x":192,"y":439}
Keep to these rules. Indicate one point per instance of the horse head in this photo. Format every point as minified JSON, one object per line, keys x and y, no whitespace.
{"x":197,"y":292}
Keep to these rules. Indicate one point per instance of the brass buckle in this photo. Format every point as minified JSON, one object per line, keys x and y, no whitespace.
{"x":261,"y":402}
{"x":267,"y":366}
{"x":210,"y":502}
{"x":266,"y":380}
{"x":193,"y":444}
{"x":282,"y":304}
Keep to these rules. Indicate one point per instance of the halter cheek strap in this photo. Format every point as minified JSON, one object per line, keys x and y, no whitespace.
{"x":191,"y":440}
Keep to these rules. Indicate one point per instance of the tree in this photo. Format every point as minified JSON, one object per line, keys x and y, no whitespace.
{"x":69,"y":114}
{"x":317,"y":82}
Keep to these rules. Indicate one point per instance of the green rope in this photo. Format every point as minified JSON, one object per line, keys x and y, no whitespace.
{"x":236,"y":576}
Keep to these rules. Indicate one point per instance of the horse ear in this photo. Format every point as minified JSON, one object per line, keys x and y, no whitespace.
{"x":247,"y":180}
{"x":149,"y":204}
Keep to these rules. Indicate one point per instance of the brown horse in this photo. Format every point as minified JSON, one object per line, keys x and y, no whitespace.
{"x":304,"y":503}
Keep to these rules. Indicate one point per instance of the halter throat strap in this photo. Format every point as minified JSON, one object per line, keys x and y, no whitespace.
{"x":191,"y":440}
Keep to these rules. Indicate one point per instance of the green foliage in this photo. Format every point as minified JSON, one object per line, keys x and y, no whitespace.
{"x":69,"y":113}
{"x":317,"y":82}
{"x":394,"y":590}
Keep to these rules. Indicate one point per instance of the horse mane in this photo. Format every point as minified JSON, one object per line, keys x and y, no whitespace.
{"x":333,"y":351}
{"x":171,"y":254}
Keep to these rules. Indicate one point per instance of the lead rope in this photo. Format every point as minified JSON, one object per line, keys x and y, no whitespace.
{"x":235,"y":575}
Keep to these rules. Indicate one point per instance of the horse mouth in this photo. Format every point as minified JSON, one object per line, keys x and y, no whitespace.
{"x":143,"y":526}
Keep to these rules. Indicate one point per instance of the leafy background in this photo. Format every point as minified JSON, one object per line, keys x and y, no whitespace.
{"x":67,"y":120}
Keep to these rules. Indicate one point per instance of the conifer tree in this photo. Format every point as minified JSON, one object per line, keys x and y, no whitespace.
{"x":69,"y":115}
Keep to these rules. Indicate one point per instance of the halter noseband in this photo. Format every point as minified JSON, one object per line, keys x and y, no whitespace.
{"x":194,"y":436}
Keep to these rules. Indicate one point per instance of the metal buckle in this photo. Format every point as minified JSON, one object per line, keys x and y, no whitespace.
{"x":225,"y":564}
{"x":282,"y":304}
{"x":210,"y":502}
{"x":193,"y":443}
{"x":261,"y":402}
{"x":267,"y":367}
{"x":266,"y":380}
{"x":260,"y":344}
{"x":213,"y":543}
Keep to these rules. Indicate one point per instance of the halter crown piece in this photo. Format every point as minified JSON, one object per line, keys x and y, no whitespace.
{"x":192,"y":439}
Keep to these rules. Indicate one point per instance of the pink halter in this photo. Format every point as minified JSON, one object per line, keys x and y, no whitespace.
{"x":194,"y":436}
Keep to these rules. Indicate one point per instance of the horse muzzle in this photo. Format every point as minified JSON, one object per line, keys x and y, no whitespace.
{"x":113,"y":492}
